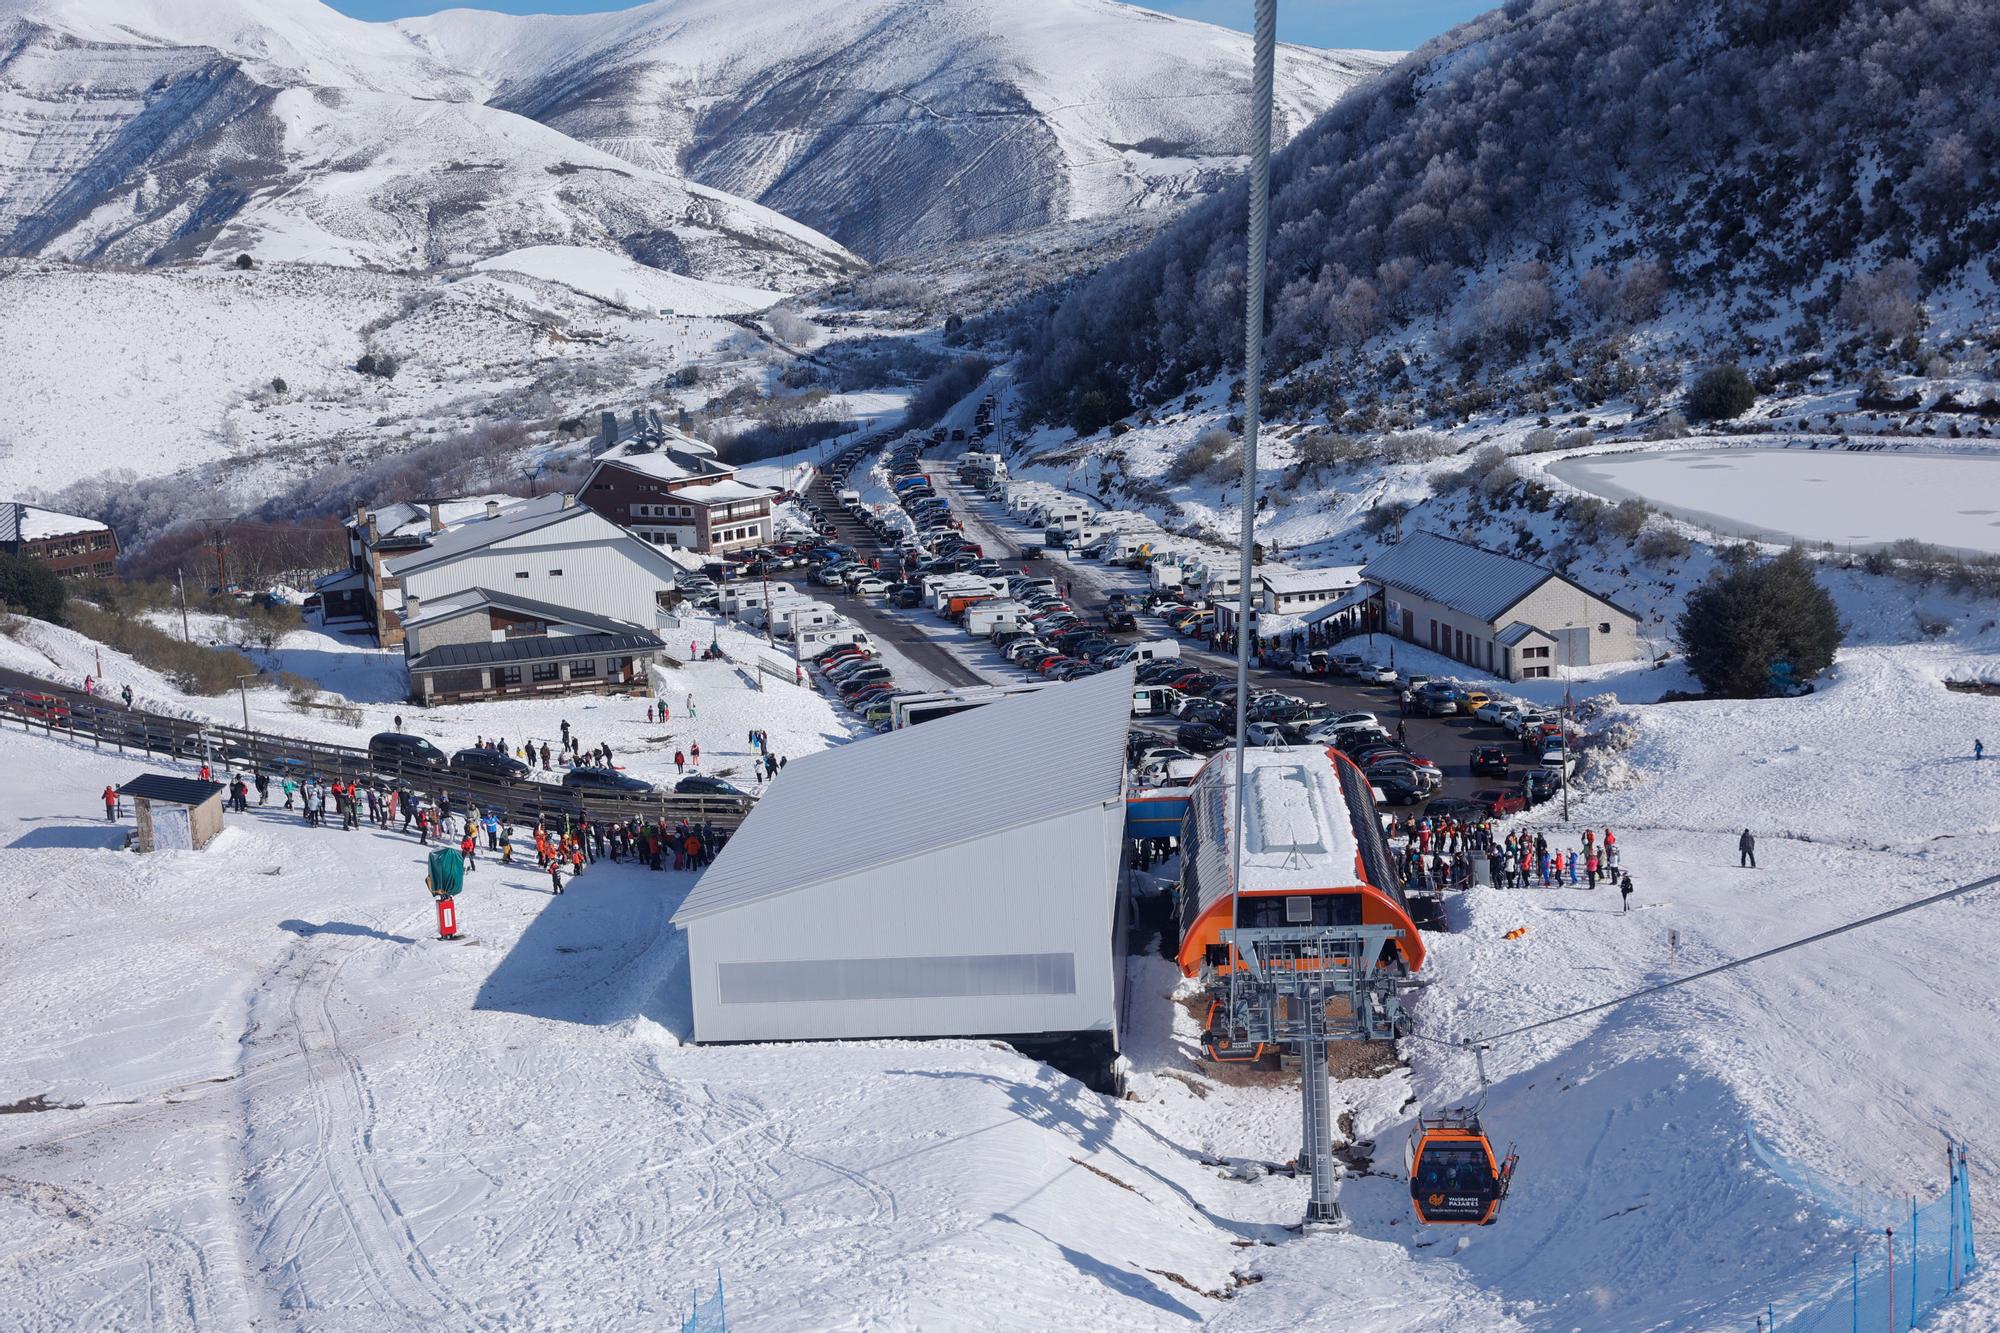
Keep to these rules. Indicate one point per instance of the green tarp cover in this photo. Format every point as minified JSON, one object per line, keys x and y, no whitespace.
{"x":447,"y":871}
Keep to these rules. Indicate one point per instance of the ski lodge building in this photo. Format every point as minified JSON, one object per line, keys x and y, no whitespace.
{"x":68,"y":545}
{"x":1497,"y":613}
{"x":958,"y":879}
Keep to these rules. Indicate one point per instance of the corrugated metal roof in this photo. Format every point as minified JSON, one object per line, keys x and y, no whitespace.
{"x":1465,"y":578}
{"x":175,"y":791}
{"x":478,"y":533}
{"x":534,"y":649}
{"x":997,"y":767}
{"x":1519,"y":630}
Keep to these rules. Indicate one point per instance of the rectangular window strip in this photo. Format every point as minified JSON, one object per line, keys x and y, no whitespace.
{"x":944,"y":977}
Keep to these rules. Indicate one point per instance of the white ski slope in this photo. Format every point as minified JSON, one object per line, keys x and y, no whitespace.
{"x":297,"y":1109}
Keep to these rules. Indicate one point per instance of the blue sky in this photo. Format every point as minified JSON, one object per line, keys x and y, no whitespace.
{"x":1380,"y":25}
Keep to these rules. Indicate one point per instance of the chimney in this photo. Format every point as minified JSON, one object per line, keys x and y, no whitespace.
{"x":410,"y":608}
{"x":492,"y":509}
{"x":437,"y":519}
{"x":371,"y":529}
{"x":568,"y":500}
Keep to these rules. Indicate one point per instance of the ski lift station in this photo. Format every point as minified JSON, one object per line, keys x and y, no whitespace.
{"x":958,"y":879}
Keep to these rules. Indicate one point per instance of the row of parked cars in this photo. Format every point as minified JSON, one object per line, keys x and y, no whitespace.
{"x":862,"y":680}
{"x":397,"y":752}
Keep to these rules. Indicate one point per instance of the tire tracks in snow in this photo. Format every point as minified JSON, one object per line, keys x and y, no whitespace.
{"x":391,"y":1260}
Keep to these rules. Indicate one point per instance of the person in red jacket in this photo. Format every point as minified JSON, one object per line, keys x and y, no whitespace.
{"x":467,"y":846}
{"x":110,"y":803}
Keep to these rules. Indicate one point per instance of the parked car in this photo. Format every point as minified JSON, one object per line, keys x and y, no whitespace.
{"x":604,"y":780}
{"x":1206,"y":710}
{"x":1399,"y":789}
{"x":1455,"y":807}
{"x":1499,"y":802}
{"x":701,"y":784}
{"x":1376,"y":673}
{"x":489,"y":764}
{"x":1201,"y":737}
{"x":394,"y":747}
{"x":1490,"y":761}
{"x":1495,"y":711}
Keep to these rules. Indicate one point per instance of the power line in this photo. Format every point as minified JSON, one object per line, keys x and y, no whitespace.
{"x":1948,"y":894}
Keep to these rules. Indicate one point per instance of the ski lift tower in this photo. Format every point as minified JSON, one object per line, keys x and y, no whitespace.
{"x":1297,"y":988}
{"x":1287,"y":984}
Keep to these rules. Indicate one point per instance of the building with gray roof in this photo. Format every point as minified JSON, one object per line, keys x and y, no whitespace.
{"x":961,"y":879}
{"x":1497,"y":613}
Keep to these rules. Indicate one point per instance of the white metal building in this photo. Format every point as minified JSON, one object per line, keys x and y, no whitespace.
{"x":961,"y":878}
{"x":550,"y":549}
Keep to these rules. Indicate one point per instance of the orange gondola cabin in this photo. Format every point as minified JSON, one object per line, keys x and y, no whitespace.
{"x":1313,"y":855}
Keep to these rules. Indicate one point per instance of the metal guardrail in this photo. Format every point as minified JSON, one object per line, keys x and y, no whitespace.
{"x":76,"y":715}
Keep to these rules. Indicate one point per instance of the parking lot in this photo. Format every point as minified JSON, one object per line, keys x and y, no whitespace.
{"x":1447,"y":742}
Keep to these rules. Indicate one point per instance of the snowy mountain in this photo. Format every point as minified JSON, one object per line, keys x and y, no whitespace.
{"x":1573,"y":202}
{"x":332,"y":142}
{"x":894,"y":125}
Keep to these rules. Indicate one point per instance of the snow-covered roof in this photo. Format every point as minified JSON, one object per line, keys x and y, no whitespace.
{"x":473,"y":534}
{"x":997,"y":767}
{"x":1482,"y":584}
{"x":715,"y":492}
{"x":31,"y":524}
{"x":1298,"y":828}
{"x":1291,"y":582}
{"x":401,"y":518}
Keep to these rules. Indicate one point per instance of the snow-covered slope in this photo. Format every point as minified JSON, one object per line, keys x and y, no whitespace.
{"x":282,"y":41}
{"x":894,"y":125}
{"x":114,"y":146}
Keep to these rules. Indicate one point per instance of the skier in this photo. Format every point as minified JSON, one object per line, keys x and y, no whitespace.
{"x":1746,"y":847}
{"x":545,"y":755}
{"x":694,"y":754}
{"x":110,"y":803}
{"x":1625,"y":892}
{"x":555,"y":877}
{"x":680,"y":762}
{"x":263,"y":789}
{"x":468,"y":847}
{"x":126,"y":691}
{"x":290,"y":788}
{"x":1978,"y":749}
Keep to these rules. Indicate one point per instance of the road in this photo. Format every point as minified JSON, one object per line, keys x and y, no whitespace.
{"x":896,"y":629}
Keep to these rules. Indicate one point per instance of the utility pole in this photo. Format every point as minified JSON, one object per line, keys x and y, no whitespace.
{"x":180,"y":581}
{"x":244,"y":694}
{"x":220,"y":545}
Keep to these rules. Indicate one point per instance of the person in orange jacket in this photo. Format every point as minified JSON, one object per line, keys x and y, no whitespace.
{"x":110,"y":803}
{"x":467,"y":846}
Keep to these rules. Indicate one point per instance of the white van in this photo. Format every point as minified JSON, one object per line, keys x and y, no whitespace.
{"x":811,"y":640}
{"x":795,"y":616}
{"x":1155,"y":701}
{"x":1150,"y":651}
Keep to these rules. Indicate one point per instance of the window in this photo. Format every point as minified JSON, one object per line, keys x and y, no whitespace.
{"x":1529,"y":654}
{"x":810,"y":980}
{"x":527,"y":629}
{"x":547,"y":671}
{"x":520,"y":573}
{"x":583,"y":669}
{"x":1603,"y":627}
{"x":555,"y":573}
{"x":508,"y":675}
{"x":1535,"y":673}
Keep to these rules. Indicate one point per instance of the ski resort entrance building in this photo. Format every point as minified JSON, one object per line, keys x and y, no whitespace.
{"x":958,"y":879}
{"x":1499,"y":613}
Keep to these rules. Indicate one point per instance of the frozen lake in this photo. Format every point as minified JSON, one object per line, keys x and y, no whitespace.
{"x":1815,"y":495}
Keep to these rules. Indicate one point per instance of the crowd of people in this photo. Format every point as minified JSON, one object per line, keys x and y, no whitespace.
{"x":1440,"y":854}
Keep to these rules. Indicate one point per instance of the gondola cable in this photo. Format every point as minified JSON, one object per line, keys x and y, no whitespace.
{"x":1454,"y":1174}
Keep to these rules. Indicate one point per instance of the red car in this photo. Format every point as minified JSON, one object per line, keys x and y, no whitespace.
{"x":1500,"y":803}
